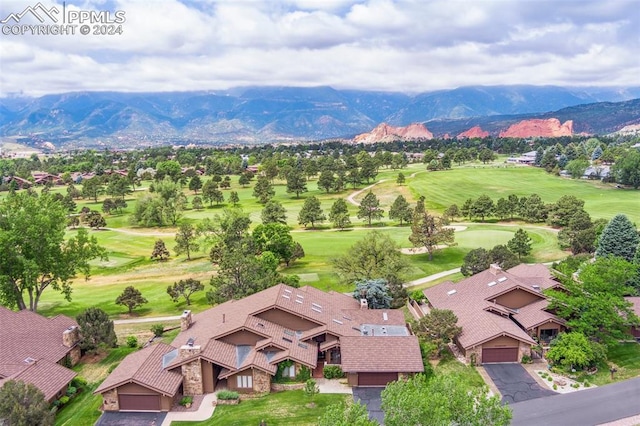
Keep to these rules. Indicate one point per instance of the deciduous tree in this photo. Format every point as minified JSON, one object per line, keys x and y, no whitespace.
{"x":574,"y":351}
{"x":441,"y":400}
{"x":186,"y":240}
{"x":346,"y":414}
{"x":34,"y":254}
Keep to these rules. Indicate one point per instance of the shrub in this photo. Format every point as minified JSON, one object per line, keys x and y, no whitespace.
{"x":304,"y":374}
{"x":311,"y":388}
{"x":132,"y":342}
{"x":186,"y":400}
{"x":332,"y":372}
{"x":79,"y":382}
{"x":227,"y":395}
{"x":526,"y":359}
{"x":587,"y":384}
{"x":64,"y":399}
{"x":71,"y":390}
{"x":555,"y":387}
{"x":417,"y":295}
{"x":550,"y":378}
{"x":157,"y":330}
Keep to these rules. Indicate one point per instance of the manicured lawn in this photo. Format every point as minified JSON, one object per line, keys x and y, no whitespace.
{"x":442,"y":189}
{"x":282,"y":408}
{"x":626,"y":358}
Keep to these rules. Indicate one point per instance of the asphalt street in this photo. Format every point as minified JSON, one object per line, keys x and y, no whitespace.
{"x":587,"y":407}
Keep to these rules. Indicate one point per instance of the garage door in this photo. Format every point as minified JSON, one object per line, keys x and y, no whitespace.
{"x":376,"y":379}
{"x":499,"y":355}
{"x":139,"y":402}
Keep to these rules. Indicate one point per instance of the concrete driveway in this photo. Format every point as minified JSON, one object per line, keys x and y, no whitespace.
{"x":515,"y":383}
{"x":370,"y":396}
{"x":113,"y":418}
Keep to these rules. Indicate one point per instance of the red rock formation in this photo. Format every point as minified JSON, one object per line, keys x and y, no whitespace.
{"x":474,"y":132}
{"x":538,"y":128}
{"x":385,"y":133}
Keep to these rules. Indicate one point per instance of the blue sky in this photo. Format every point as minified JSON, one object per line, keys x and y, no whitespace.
{"x":407,"y":46}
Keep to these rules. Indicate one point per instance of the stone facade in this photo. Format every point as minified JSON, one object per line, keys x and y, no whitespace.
{"x":261,"y":381}
{"x":192,"y":371}
{"x":477,"y":358}
{"x":110,"y":400}
{"x":70,"y":336}
{"x":523,"y":349}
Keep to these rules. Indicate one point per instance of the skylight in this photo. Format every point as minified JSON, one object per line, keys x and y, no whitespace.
{"x":337,"y":321}
{"x":450,"y":292}
{"x":492,"y":283}
{"x":502,"y":279}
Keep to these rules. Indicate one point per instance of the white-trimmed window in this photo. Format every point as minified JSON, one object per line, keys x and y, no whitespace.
{"x":244,"y":381}
{"x":289,"y":371}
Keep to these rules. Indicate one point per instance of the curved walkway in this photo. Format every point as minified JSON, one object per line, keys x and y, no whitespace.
{"x":351,"y":198}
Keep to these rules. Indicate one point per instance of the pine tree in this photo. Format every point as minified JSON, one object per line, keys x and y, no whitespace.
{"x":186,"y":240}
{"x":339,"y":214}
{"x":400,"y":210}
{"x":520,"y":244}
{"x":619,"y":238}
{"x":160,"y":251}
{"x":370,"y":208}
{"x":131,"y":298}
{"x":311,"y":212}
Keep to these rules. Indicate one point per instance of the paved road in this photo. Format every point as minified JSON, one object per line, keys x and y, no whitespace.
{"x":515,"y":383}
{"x":370,"y":396}
{"x":585,"y":408}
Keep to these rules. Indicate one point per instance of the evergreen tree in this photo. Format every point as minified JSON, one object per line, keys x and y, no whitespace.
{"x":429,"y":232}
{"x":195,"y":184}
{"x":400,"y":210}
{"x":233,"y":198}
{"x":274,"y":212}
{"x":96,"y":329}
{"x":370,"y":208}
{"x":375,"y":291}
{"x":186,"y":240}
{"x":23,"y":404}
{"x":339,"y":214}
{"x":520,"y":244}
{"x":160,"y":251}
{"x":326,"y":180}
{"x":311,"y":212}
{"x":400,"y":179}
{"x":619,"y":238}
{"x":296,"y":182}
{"x":131,"y":298}
{"x":184,"y":288}
{"x":263,"y":190}
{"x":475,"y":261}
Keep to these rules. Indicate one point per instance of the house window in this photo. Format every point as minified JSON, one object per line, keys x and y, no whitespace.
{"x":289,"y":371}
{"x":548,"y":334}
{"x":245,"y":381}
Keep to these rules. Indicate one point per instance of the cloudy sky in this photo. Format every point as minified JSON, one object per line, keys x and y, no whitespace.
{"x":388,"y":45}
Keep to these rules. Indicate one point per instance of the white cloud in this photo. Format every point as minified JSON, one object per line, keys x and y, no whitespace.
{"x":402,"y":45}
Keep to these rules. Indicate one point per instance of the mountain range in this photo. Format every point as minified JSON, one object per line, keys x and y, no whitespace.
{"x":268,"y":114}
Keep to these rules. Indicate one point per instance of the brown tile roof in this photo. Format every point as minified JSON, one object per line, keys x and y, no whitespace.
{"x":472,"y":299}
{"x":144,"y":367}
{"x":381,"y":354}
{"x":47,"y":376}
{"x":635,"y":301}
{"x":534,"y":315}
{"x":26,"y":334}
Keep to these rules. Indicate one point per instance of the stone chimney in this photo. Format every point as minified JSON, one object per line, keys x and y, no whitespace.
{"x":364,"y":304}
{"x":191,"y":371}
{"x":185,"y":320}
{"x":495,"y":269}
{"x":70,"y":336}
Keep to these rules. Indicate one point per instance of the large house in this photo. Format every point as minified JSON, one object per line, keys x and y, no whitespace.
{"x":36,"y":350}
{"x":502,"y":313}
{"x":240,"y":344}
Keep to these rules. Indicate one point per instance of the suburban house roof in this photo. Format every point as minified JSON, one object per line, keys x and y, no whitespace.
{"x":481,"y":316}
{"x":635,"y":301}
{"x":26,"y":334}
{"x":47,"y":376}
{"x":392,"y":353}
{"x":32,"y":346}
{"x":338,"y":317}
{"x":145,"y":367}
